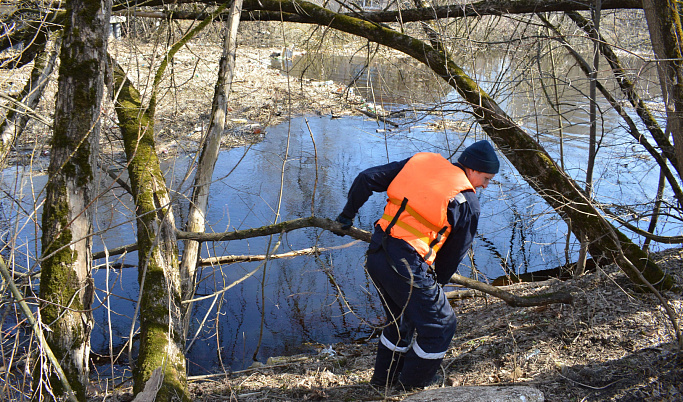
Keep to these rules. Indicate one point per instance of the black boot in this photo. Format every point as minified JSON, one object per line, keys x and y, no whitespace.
{"x":388,"y":365}
{"x":418,"y":372}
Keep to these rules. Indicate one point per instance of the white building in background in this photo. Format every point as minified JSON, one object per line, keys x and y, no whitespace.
{"x":372,"y":5}
{"x":116,"y":25}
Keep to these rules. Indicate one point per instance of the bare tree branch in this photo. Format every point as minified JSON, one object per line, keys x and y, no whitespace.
{"x":286,"y":226}
{"x":477,"y":9}
{"x":514,"y":300}
{"x":627,"y":87}
{"x":232,"y":259}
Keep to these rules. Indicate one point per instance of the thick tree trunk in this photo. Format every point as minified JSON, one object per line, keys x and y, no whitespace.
{"x":66,"y":288}
{"x":664,"y":23}
{"x":161,"y":335}
{"x":207,"y":159}
{"x":162,"y":338}
{"x":528,"y":156}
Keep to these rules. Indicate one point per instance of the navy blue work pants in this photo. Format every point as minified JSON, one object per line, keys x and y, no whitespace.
{"x":414,"y":303}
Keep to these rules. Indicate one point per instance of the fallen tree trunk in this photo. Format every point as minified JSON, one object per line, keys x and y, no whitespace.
{"x":477,"y":9}
{"x":511,"y":299}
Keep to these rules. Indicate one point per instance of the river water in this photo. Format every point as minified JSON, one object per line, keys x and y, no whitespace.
{"x":328,"y":298}
{"x":306,"y":166}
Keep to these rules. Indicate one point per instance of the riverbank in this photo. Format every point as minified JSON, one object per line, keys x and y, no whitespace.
{"x":261,"y":96}
{"x":612,"y":344}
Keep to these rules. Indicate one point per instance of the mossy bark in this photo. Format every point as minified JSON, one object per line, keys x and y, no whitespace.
{"x":664,"y":22}
{"x":161,"y":320}
{"x":66,"y":288}
{"x":161,"y":336}
{"x":526,"y":155}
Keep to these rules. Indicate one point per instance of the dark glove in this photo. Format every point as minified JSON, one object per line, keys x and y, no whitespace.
{"x":346,"y":223}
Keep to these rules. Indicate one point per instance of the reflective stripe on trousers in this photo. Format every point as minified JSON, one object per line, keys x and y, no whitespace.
{"x":421,"y":309}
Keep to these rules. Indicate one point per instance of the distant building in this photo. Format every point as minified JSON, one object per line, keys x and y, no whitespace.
{"x":365,"y":5}
{"x":373,"y":5}
{"x":116,"y":26}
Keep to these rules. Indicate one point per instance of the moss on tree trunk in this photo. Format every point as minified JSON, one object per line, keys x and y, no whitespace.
{"x":65,"y":283}
{"x":161,"y":340}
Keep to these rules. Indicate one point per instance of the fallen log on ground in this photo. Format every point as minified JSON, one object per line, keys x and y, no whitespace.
{"x":562,"y":272}
{"x":509,"y":298}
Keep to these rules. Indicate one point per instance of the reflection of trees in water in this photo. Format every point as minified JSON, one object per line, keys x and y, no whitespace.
{"x":381,"y":80}
{"x":295,"y":289}
{"x":353,"y":297}
{"x":520,"y":245}
{"x":234,"y":348}
{"x":221,"y":342}
{"x":306,"y":305}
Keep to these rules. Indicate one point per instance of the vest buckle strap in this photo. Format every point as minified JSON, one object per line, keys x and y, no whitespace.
{"x":402,"y":208}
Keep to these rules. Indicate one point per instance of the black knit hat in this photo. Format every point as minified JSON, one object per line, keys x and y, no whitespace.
{"x":481,"y":157}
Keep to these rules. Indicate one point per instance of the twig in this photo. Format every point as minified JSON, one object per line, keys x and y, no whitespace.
{"x":231,"y":259}
{"x":589,"y":386}
{"x":36,"y":329}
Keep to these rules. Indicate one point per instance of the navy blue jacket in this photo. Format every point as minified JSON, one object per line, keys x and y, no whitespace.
{"x":463,"y":218}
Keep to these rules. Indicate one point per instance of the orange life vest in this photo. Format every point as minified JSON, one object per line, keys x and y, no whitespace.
{"x":426,"y":184}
